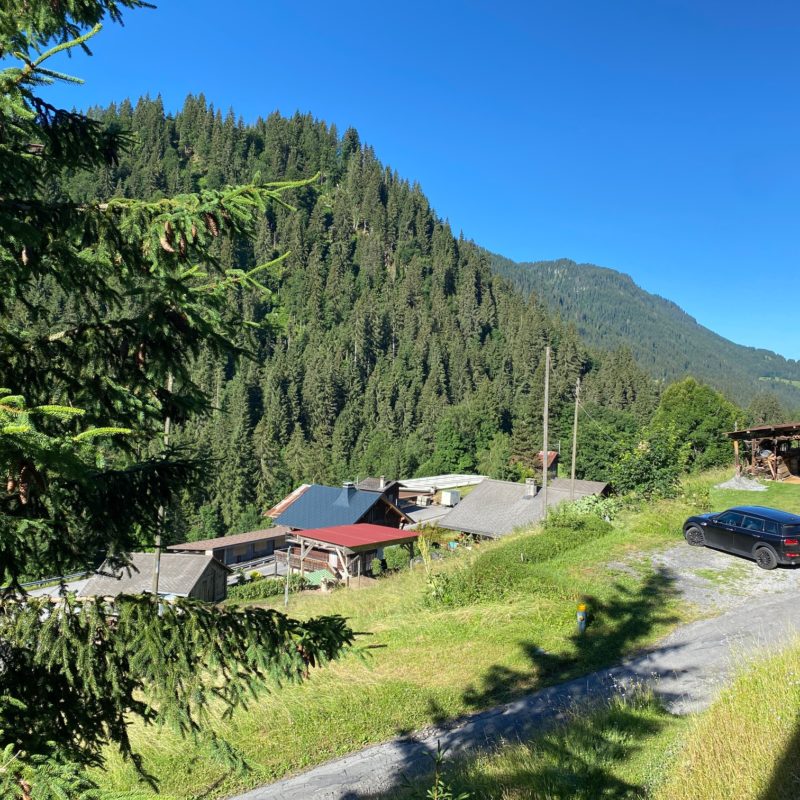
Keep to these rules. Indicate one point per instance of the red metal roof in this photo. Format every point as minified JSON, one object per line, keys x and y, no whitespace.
{"x":362,"y":535}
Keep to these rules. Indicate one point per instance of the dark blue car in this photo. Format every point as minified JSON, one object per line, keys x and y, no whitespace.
{"x":768,"y":536}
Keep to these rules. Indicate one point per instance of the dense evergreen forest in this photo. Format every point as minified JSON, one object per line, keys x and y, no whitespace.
{"x":384,"y":344}
{"x":610,"y":311}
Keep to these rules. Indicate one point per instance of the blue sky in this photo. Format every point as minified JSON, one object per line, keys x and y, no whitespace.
{"x":659,"y":138}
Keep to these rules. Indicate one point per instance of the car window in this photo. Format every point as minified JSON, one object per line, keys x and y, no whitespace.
{"x":791,"y":530}
{"x":729,"y":518}
{"x":770,"y":526}
{"x":753,"y":524}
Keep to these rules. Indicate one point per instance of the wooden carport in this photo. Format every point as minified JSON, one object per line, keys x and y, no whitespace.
{"x":353,"y":546}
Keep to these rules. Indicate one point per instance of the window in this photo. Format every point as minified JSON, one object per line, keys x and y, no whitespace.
{"x":791,"y":530}
{"x":753,"y":524}
{"x":770,"y":526}
{"x":730,"y":518}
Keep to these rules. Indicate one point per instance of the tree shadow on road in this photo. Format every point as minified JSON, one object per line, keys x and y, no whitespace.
{"x":615,"y":627}
{"x":581,"y":759}
{"x":563,"y":762}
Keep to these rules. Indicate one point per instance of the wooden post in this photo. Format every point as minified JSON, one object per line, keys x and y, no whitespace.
{"x":574,"y":440}
{"x":545,"y":416}
{"x":162,"y":512}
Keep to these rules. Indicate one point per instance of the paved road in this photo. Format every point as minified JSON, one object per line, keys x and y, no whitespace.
{"x":686,"y":671}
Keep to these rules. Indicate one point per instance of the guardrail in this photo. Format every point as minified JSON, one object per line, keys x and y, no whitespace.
{"x":54,"y":581}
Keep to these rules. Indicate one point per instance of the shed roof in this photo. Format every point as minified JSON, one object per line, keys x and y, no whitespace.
{"x":178,"y":574}
{"x":552,"y":457}
{"x":374,"y":485}
{"x":362,"y":536}
{"x":495,"y":508}
{"x":320,"y":506}
{"x":229,"y":541}
{"x":766,"y":431}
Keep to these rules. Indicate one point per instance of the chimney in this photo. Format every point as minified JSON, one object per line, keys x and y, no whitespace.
{"x":382,"y":482}
{"x":530,"y":488}
{"x":349,"y":485}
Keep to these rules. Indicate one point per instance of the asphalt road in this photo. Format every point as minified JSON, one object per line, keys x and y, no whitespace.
{"x":685,"y":671}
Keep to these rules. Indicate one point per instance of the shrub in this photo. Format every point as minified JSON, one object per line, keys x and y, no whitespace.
{"x":262,"y":588}
{"x":500,"y":571}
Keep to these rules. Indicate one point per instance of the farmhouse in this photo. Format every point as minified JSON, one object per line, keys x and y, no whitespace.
{"x":239,"y":548}
{"x":347,"y":551}
{"x":768,"y":451}
{"x":324,"y":506}
{"x":496,"y":508}
{"x":180,"y":574}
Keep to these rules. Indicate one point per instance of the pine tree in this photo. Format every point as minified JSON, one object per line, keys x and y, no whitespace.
{"x":104,"y":308}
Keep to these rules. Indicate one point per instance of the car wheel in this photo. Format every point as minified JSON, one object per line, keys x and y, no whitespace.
{"x":695,"y":536}
{"x":765,"y":558}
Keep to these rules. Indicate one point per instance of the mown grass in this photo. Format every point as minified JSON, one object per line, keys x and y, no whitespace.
{"x":419,"y":663}
{"x":785,"y":496}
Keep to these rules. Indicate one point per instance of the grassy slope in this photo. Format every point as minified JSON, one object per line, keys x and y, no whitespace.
{"x":420,"y":664}
{"x":747,"y":745}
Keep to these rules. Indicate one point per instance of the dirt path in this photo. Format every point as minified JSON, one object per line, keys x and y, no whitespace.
{"x":686,"y":670}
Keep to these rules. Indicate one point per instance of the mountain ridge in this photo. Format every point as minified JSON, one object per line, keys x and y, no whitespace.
{"x":609,"y":310}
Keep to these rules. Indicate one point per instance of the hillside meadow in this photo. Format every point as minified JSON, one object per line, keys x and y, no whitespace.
{"x":420,"y":661}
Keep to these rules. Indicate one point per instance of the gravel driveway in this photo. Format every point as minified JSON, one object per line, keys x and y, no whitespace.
{"x":713,"y":581}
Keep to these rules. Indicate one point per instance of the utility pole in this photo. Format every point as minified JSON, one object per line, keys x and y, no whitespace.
{"x":162,"y":512}
{"x":574,"y":440}
{"x":545,"y":420}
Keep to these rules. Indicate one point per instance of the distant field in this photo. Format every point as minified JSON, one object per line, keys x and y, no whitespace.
{"x":419,"y":664}
{"x":787,"y":381}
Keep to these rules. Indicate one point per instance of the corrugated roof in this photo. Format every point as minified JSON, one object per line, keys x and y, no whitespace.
{"x":178,"y":574}
{"x":280,"y":507}
{"x":495,"y":508}
{"x":362,"y":536}
{"x":436,"y":482}
{"x":234,"y":539}
{"x":320,"y":506}
{"x":765,"y":431}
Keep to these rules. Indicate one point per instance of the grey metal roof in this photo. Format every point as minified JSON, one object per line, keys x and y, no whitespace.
{"x":495,"y":508}
{"x":325,"y":506}
{"x":178,"y":574}
{"x":229,"y":541}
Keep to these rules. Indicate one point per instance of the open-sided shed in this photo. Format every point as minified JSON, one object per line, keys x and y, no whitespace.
{"x":347,"y":550}
{"x":768,"y":451}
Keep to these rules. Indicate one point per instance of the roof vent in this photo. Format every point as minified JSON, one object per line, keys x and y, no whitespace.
{"x":349,"y":485}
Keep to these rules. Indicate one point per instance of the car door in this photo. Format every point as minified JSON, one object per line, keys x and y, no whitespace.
{"x":745,"y":535}
{"x":719,"y":531}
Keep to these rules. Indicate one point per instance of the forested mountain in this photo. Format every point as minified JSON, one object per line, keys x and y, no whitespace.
{"x":386,"y":345}
{"x":611,"y":311}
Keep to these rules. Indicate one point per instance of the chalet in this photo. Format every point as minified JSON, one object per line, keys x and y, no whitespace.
{"x":325,"y":506}
{"x":346,"y":551}
{"x":768,"y":451}
{"x":238,"y":548}
{"x":180,"y":574}
{"x":496,"y":508}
